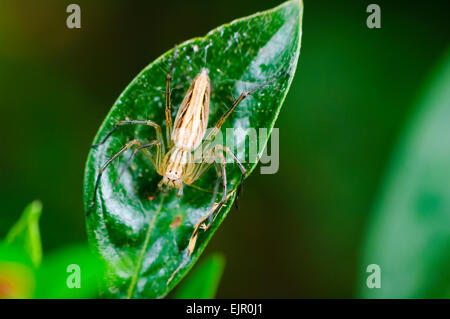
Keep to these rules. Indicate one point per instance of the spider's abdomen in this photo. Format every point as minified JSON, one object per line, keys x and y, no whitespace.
{"x":192,"y":117}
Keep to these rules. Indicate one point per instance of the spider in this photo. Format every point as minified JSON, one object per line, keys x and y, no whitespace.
{"x":177,"y":166}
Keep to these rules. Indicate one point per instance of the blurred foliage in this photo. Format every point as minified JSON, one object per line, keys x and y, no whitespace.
{"x":300,"y":229}
{"x":202,"y":282}
{"x":56,"y":278}
{"x":23,"y":276}
{"x":17,"y":274}
{"x":25,"y":233}
{"x":409,"y":233}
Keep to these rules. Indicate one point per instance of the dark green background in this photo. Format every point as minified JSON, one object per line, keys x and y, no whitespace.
{"x":298,"y":233}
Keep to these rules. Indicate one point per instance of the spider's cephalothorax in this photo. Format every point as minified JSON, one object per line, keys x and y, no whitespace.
{"x":176,"y":166}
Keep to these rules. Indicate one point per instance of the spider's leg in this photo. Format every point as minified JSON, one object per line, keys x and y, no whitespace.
{"x":221,"y":173}
{"x":209,"y":217}
{"x":156,"y":162}
{"x":180,"y":191}
{"x":104,"y":167}
{"x":168,"y":100}
{"x":241,"y":167}
{"x":200,"y":168}
{"x":216,"y":186}
{"x":159,"y":136}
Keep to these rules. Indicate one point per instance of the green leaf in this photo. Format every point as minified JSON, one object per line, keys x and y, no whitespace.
{"x":25,"y":233}
{"x":143,"y":234}
{"x":409,"y":236}
{"x":203,"y":281}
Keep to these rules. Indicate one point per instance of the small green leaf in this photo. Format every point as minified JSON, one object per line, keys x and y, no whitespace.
{"x":143,"y":234}
{"x":203,"y":280}
{"x":25,"y":233}
{"x":409,"y":236}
